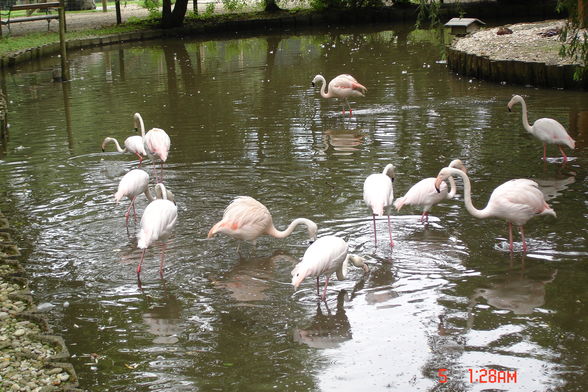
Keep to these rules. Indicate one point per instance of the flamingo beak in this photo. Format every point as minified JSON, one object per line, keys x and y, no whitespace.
{"x":312,"y":83}
{"x":437,"y":184}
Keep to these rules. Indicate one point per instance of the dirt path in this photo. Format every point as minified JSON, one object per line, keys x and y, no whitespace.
{"x":79,"y":20}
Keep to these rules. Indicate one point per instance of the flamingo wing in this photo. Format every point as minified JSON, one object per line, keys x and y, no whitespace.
{"x":158,"y":142}
{"x":157,"y":222}
{"x":549,"y":130}
{"x":132,"y":184}
{"x":135,"y":145}
{"x":423,"y":193}
{"x":345,"y":85}
{"x":323,"y":257}
{"x":378,"y":192}
{"x":244,"y":218}
{"x":517,"y":201}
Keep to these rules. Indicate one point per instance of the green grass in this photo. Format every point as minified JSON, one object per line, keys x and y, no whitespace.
{"x":15,"y":44}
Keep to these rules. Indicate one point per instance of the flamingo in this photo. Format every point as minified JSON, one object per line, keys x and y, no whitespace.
{"x":131,"y":185}
{"x":547,"y":130}
{"x":247,"y":219}
{"x":378,"y":194}
{"x":423,"y":193}
{"x":342,"y":87}
{"x":515,"y":201}
{"x":133,"y":144}
{"x":323,"y":257}
{"x":156,"y":141}
{"x":157,"y":223}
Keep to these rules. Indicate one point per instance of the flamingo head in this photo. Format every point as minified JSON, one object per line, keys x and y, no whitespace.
{"x":316,"y":79}
{"x":389,"y":171}
{"x":298,"y":275}
{"x":359,"y":262}
{"x":442,"y":176}
{"x":458,"y":164}
{"x":513,"y":100}
{"x":312,"y":230}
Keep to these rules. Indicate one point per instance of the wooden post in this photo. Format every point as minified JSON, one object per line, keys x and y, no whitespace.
{"x":195,"y":3}
{"x":62,"y":44}
{"x":118,"y":14}
{"x":104,"y":6}
{"x":582,"y":15}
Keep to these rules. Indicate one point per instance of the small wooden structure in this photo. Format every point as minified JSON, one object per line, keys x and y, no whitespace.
{"x":44,"y":7}
{"x":463,"y":26}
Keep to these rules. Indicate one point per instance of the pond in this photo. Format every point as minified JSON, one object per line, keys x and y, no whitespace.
{"x":244,"y":119}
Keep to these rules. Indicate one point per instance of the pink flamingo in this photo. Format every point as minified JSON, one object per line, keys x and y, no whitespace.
{"x":515,"y":201}
{"x":157,"y":223}
{"x":378,"y":194}
{"x":423,"y":193}
{"x":131,"y":185}
{"x":156,"y":141}
{"x":547,"y":130}
{"x":342,"y":87}
{"x":247,"y":219}
{"x":133,"y":144}
{"x":323,"y":257}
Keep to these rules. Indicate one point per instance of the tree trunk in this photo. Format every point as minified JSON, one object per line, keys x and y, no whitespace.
{"x":582,"y":16}
{"x":173,"y":18}
{"x":271,"y":6}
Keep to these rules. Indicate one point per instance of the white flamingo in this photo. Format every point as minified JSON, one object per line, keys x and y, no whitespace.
{"x":547,"y":130}
{"x":423,"y":193}
{"x":342,"y":87}
{"x":157,"y":223}
{"x":156,"y":141}
{"x":515,"y":201}
{"x":132,"y":185}
{"x":247,"y":219}
{"x":378,"y":194}
{"x":133,"y":145}
{"x":323,"y":257}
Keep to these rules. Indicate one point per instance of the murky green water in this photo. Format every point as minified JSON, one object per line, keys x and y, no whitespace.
{"x":244,"y":120}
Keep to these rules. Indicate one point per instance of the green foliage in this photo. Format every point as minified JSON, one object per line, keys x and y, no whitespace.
{"x":574,"y":39}
{"x":209,"y":10}
{"x":428,"y":11}
{"x":233,"y":5}
{"x":152,"y":6}
{"x":320,"y":5}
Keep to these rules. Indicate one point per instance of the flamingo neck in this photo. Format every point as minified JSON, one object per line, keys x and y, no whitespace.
{"x":139,"y":124}
{"x":113,"y":140}
{"x":467,"y":195}
{"x":524,"y":117}
{"x":452,"y":188}
{"x":324,"y":92}
{"x":283,"y":234}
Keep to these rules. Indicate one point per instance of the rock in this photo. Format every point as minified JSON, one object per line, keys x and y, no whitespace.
{"x":503,"y":30}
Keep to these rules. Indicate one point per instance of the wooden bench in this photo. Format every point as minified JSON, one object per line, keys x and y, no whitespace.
{"x":46,"y":7}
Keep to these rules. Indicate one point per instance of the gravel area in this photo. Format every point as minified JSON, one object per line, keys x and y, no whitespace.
{"x":80,"y":20}
{"x":531,"y":42}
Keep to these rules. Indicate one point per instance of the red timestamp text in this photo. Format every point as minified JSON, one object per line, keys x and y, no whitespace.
{"x":484,"y":376}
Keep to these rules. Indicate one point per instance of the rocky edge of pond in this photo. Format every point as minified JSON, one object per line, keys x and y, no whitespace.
{"x":32,"y":359}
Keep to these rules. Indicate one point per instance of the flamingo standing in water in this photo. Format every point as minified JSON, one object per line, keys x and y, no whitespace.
{"x":156,"y":141}
{"x":157,"y":223}
{"x":247,"y":219}
{"x":515,"y":201}
{"x":547,"y":130}
{"x":133,"y":144}
{"x":378,"y":194}
{"x":132,"y":185}
{"x":323,"y":257}
{"x":423,"y":193}
{"x":342,"y":87}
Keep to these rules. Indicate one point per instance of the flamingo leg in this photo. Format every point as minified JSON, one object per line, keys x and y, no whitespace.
{"x":375,"y":236}
{"x":510,"y":236}
{"x":129,"y":211}
{"x":140,"y":263}
{"x":140,"y":158}
{"x":134,"y":211}
{"x":317,"y":286}
{"x":324,"y":296}
{"x":162,"y":171}
{"x":349,"y":106}
{"x":545,"y":151}
{"x":163,"y":247}
{"x":390,"y":231}
{"x":523,"y":238}
{"x":565,"y":158}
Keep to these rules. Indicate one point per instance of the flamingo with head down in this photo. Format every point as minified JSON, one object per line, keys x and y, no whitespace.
{"x":343,"y":87}
{"x":423,"y":193}
{"x":547,"y":130}
{"x":323,"y":257}
{"x":515,"y":201}
{"x":133,"y":145}
{"x":247,"y":219}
